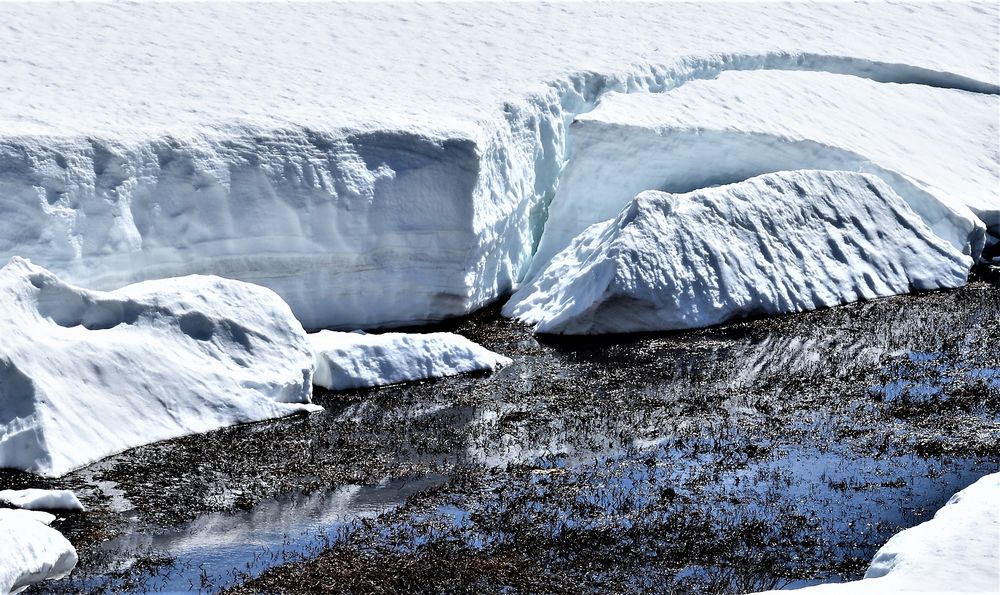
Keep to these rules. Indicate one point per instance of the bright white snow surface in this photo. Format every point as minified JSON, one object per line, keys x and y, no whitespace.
{"x":776,"y":243}
{"x":956,"y":551}
{"x":85,"y":374}
{"x":937,"y":148}
{"x":35,"y":499}
{"x":356,"y":360}
{"x":371,"y":163}
{"x":30,"y":550}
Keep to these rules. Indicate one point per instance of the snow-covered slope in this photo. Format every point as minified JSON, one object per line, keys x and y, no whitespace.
{"x":355,"y":360}
{"x":30,"y":550}
{"x":35,"y":499}
{"x":936,"y":147}
{"x":84,"y":374}
{"x":327,"y":150}
{"x":958,"y":551}
{"x":776,"y":243}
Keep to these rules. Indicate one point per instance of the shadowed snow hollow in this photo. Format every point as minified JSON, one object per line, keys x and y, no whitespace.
{"x":355,"y":360}
{"x":937,"y":148}
{"x":85,"y":374}
{"x":958,"y":551}
{"x":31,"y":551}
{"x":777,"y":243}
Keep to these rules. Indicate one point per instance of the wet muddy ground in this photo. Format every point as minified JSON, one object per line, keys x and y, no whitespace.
{"x":765,"y":453}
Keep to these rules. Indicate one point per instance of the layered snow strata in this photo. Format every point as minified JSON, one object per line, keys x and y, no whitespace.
{"x":369,"y":188}
{"x":958,"y":551}
{"x":777,"y":243}
{"x":356,"y":360}
{"x":31,"y":551}
{"x":85,"y":374}
{"x":35,"y":499}
{"x":936,"y":147}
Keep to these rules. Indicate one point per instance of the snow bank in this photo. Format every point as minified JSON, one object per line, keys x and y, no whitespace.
{"x":30,"y":550}
{"x":776,"y":243}
{"x":85,"y":374}
{"x":356,"y":360}
{"x":937,"y":148}
{"x":956,"y":551}
{"x":35,"y":499}
{"x":369,"y":187}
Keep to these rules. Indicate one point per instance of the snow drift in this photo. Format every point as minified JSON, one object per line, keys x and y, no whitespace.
{"x":357,"y":360}
{"x":937,"y":148}
{"x":85,"y":374}
{"x":324,"y":170}
{"x":30,"y":550}
{"x":773,"y":244}
{"x":956,"y":551}
{"x":35,"y":499}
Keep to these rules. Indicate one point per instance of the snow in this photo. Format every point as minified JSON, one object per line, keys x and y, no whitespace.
{"x":937,"y":147}
{"x":355,"y":360}
{"x":776,"y":243}
{"x":374,"y":164}
{"x":85,"y":374}
{"x":35,"y":499}
{"x":956,"y":551}
{"x":30,"y":550}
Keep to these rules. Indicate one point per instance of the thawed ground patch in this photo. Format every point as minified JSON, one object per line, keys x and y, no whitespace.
{"x":758,"y":454}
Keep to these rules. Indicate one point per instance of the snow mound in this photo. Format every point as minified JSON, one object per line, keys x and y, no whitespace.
{"x":85,"y":374}
{"x":357,"y":360}
{"x":936,"y":147}
{"x":773,"y":244}
{"x":958,"y":551}
{"x":370,"y":188}
{"x":30,"y":550}
{"x":35,"y":499}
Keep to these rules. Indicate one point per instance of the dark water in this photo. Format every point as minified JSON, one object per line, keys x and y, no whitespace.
{"x":767,"y":453}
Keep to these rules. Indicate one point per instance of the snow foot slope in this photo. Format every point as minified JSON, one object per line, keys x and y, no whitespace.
{"x":356,"y":360}
{"x":937,"y":148}
{"x":31,"y":551}
{"x":322,"y":170}
{"x":958,"y":551}
{"x":85,"y":374}
{"x":777,"y":243}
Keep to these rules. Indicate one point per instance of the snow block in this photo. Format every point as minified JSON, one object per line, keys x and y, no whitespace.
{"x":356,"y":360}
{"x":31,"y":551}
{"x":935,"y":147}
{"x":85,"y":374}
{"x":777,"y":243}
{"x":35,"y":499}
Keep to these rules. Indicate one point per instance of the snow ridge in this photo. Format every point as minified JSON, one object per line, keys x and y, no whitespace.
{"x":441,"y":223}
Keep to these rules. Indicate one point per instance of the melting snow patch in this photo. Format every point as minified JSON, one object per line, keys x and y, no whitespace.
{"x":34,"y":499}
{"x":85,"y":374}
{"x":956,"y":551}
{"x":356,"y":360}
{"x":773,"y":244}
{"x":30,"y":550}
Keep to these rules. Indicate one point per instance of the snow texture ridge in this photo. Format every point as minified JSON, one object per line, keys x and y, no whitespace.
{"x":357,"y":360}
{"x":957,"y":551}
{"x":322,"y":170}
{"x":31,"y":551}
{"x":35,"y":499}
{"x":936,"y":147}
{"x":85,"y":374}
{"x":773,"y":244}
